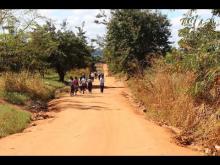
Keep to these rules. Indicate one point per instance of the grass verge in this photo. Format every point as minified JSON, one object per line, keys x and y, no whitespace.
{"x":12,"y":120}
{"x":16,"y":98}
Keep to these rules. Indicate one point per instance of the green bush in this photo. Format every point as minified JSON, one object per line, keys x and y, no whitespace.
{"x":51,"y":80}
{"x":204,"y":65}
{"x":12,"y":120}
{"x":16,"y":98}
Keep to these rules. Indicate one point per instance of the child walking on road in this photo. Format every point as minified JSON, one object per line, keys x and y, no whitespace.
{"x":76,"y":85}
{"x":101,"y":83}
{"x":71,"y":86}
{"x":92,"y":76}
{"x":84,"y":85}
{"x":89,"y":81}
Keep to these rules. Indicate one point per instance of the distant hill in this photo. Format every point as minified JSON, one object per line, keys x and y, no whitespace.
{"x":97,"y":52}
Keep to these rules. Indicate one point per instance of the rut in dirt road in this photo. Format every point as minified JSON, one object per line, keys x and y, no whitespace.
{"x":93,"y":124}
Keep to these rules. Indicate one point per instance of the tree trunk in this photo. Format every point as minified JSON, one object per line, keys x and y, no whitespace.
{"x":61,"y":76}
{"x":42,"y":72}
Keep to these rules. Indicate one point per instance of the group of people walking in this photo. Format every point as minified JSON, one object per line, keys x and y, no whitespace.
{"x":84,"y":83}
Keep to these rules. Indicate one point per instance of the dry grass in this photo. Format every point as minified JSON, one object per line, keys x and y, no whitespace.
{"x":166,"y":98}
{"x":24,"y":82}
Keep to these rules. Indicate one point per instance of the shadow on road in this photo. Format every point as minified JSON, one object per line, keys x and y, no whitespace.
{"x":106,"y":87}
{"x":59,"y":105}
{"x":67,"y":102}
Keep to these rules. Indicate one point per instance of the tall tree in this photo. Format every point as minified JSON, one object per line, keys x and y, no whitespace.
{"x":81,"y":32}
{"x":71,"y":53}
{"x":14,"y":41}
{"x":41,"y":45}
{"x":133,"y":37}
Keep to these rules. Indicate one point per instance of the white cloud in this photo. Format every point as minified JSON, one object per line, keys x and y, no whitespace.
{"x":176,"y":25}
{"x":75,"y":17}
{"x":45,"y":12}
{"x":204,"y":13}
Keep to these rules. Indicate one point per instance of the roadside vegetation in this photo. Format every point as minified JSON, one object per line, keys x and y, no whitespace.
{"x":35,"y":61}
{"x":12,"y":120}
{"x":177,"y":87}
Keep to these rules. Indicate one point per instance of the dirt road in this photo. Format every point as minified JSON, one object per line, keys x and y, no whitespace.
{"x":94,"y":124}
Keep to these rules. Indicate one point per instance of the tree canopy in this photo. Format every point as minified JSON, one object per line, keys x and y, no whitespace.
{"x":72,"y":52}
{"x":35,"y":47}
{"x":134,"y":37}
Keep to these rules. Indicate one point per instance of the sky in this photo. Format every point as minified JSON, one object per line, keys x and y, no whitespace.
{"x":75,"y":17}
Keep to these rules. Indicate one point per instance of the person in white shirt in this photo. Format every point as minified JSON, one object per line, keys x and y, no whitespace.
{"x":92,"y":76}
{"x":84,"y":85}
{"x":101,"y":80}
